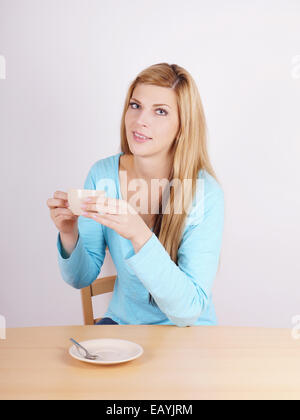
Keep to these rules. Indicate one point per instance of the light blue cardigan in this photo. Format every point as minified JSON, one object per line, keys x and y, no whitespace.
{"x":182,"y":292}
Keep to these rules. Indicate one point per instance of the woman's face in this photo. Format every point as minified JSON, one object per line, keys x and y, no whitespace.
{"x":152,"y":112}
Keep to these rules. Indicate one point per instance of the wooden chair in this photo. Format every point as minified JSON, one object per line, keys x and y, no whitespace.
{"x":98,"y":287}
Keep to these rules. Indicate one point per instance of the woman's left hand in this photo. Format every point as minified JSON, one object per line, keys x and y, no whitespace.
{"x":118,"y":215}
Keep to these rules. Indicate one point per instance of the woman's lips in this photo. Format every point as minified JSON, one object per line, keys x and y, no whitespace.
{"x":139,"y":140}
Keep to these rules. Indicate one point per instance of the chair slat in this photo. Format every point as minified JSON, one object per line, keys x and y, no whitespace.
{"x":87,"y":307}
{"x":98,"y":287}
{"x":103,"y":285}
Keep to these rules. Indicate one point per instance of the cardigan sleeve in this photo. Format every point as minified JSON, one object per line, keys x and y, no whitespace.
{"x":182,"y":291}
{"x":83,"y":266}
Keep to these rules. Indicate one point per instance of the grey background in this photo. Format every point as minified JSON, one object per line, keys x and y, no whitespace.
{"x":68,"y":68}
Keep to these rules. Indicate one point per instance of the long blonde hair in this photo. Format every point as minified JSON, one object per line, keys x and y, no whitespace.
{"x":189,"y":147}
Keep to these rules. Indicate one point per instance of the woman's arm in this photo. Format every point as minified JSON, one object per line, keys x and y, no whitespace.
{"x":83,"y":266}
{"x":68,"y":243}
{"x":182,"y":291}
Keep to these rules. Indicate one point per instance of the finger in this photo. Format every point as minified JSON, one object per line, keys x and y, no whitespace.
{"x":52,"y":203}
{"x":106,"y":205}
{"x":101,"y":199}
{"x":60,"y":194}
{"x":65,"y":217}
{"x":89,"y":213}
{"x":59,"y":211}
{"x":94,"y":198}
{"x":110,"y":206}
{"x":106,"y":220}
{"x":105,"y":210}
{"x":88,"y":207}
{"x":95,"y":208}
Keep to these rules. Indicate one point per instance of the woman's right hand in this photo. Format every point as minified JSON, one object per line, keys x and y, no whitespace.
{"x":63,"y":218}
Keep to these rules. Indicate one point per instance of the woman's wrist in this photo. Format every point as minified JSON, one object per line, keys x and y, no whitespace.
{"x":139,"y":240}
{"x":69,"y":241}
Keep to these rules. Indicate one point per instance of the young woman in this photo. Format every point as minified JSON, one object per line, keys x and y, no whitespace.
{"x":166,"y":260}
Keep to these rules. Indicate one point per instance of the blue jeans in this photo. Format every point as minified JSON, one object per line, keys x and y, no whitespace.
{"x":106,"y":321}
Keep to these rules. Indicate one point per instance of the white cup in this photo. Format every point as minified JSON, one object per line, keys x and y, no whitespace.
{"x":76,"y":197}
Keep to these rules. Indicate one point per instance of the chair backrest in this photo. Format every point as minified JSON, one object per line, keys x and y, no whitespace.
{"x":98,"y":287}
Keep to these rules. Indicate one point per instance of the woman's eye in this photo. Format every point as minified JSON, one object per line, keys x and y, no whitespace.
{"x":132,"y":103}
{"x":158,"y":109}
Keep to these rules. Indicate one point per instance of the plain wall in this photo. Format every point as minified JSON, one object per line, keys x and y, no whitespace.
{"x":68,"y":65}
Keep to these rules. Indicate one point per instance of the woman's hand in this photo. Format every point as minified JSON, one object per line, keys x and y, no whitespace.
{"x":120,"y":216}
{"x":63,"y":218}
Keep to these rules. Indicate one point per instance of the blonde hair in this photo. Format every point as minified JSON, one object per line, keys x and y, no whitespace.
{"x":189,"y":147}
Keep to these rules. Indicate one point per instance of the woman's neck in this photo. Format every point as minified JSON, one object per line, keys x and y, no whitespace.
{"x":150,"y":167}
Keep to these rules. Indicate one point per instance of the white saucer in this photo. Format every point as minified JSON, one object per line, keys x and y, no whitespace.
{"x":112,"y":351}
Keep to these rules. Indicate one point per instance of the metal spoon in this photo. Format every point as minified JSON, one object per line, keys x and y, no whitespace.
{"x":88,"y":355}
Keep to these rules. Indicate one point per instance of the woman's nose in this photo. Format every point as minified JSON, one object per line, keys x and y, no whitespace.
{"x":143,"y":118}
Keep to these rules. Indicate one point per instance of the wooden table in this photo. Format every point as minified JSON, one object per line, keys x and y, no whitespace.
{"x":178,"y":363}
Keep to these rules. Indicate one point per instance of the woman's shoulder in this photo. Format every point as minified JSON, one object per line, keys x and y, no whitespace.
{"x":208,"y":185}
{"x":105,"y":168}
{"x":107,"y":165}
{"x":209,"y":196}
{"x":104,"y":174}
